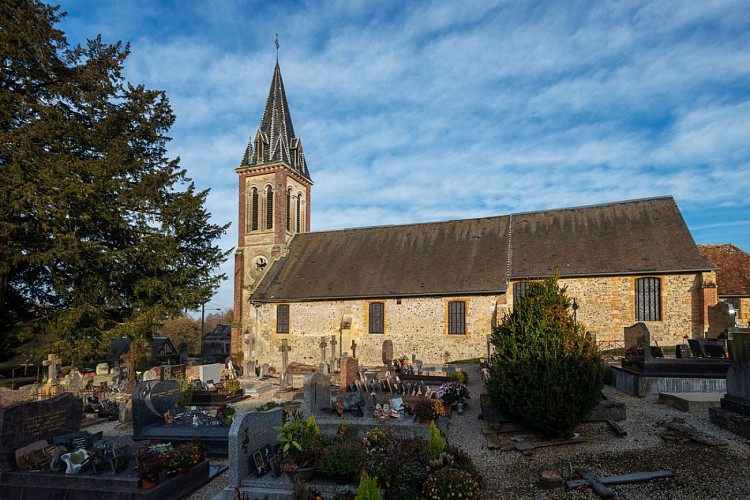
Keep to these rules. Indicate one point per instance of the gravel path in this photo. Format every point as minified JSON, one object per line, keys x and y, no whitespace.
{"x":701,"y":471}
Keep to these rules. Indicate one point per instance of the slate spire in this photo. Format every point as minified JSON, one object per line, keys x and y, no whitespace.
{"x":275,"y":140}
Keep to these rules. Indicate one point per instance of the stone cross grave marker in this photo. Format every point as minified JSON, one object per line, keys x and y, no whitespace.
{"x":333,"y":353}
{"x":52,"y":363}
{"x":323,"y":345}
{"x":354,"y":349}
{"x":387,"y":352}
{"x":248,"y":368}
{"x":286,"y":374}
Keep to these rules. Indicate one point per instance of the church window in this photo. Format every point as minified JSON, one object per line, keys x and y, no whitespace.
{"x":269,"y":207}
{"x":520,"y":290}
{"x":648,"y":299}
{"x":254,"y":209}
{"x":376,"y":317}
{"x":289,"y":210}
{"x":456,"y":317}
{"x":282,"y":318}
{"x":299,"y":209}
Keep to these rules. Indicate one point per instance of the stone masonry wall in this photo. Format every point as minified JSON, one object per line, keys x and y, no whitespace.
{"x":415,"y":325}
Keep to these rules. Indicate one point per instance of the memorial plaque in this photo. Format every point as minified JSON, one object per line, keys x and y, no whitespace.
{"x":25,"y":423}
{"x":151,"y":400}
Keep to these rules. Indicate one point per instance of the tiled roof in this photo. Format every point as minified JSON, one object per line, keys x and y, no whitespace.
{"x":276,"y":132}
{"x":733,"y":275}
{"x":471,"y":256}
{"x":631,"y":237}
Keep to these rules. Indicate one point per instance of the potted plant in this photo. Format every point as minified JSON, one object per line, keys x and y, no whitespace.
{"x":449,"y":483}
{"x":428,"y":410}
{"x":181,"y":459}
{"x":299,"y":443}
{"x":341,"y":460}
{"x":452,"y":392}
{"x":150,"y":463}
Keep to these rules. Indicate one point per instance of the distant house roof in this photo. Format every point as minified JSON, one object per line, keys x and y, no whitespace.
{"x":733,"y":275}
{"x":220,"y":332}
{"x":160,"y":346}
{"x":480,"y":256}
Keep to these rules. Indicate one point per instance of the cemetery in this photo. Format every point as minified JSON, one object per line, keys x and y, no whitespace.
{"x":327,"y":430}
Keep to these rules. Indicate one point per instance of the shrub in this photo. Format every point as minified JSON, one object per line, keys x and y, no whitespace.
{"x":544,"y":371}
{"x":460,"y":376}
{"x":429,"y":409}
{"x":368,"y":488}
{"x":450,"y":392}
{"x":340,"y":459}
{"x":436,"y":442}
{"x":449,"y":483}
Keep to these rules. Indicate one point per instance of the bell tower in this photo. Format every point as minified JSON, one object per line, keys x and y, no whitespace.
{"x":274,"y":204}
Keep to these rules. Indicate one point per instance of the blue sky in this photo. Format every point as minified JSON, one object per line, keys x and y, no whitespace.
{"x":423,"y":111}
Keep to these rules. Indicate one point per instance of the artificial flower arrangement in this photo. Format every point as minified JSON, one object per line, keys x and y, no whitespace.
{"x":182,"y":456}
{"x":382,"y":412}
{"x":429,"y":409}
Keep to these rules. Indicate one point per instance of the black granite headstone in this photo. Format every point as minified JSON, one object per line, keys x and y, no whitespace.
{"x":24,"y":423}
{"x":151,"y":400}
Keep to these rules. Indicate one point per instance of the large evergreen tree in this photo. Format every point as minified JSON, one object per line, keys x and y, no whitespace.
{"x":101,"y":234}
{"x":544,"y":372}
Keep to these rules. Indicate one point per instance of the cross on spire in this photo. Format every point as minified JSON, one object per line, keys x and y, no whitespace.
{"x":277,"y":47}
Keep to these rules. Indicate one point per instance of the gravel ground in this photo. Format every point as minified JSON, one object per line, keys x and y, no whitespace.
{"x":701,"y":471}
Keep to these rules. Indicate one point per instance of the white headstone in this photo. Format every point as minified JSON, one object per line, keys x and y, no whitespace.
{"x":149,"y":375}
{"x":210,"y":372}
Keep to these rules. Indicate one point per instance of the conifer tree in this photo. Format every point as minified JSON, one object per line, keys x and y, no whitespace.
{"x":544,"y":372}
{"x":101,"y":234}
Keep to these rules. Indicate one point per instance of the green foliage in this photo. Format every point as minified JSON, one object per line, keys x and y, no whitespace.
{"x":436,"y":443}
{"x":460,"y":376}
{"x":368,"y":488}
{"x":311,"y":437}
{"x":342,"y":458}
{"x":186,"y":391}
{"x":449,"y":483}
{"x":291,"y":433}
{"x":101,"y":235}
{"x":429,"y":409}
{"x":545,"y":373}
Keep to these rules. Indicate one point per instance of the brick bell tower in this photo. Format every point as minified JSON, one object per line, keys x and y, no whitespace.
{"x":274,"y":205}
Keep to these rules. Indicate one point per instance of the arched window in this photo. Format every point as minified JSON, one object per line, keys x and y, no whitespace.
{"x":648,"y":299}
{"x":289,"y":210}
{"x":269,"y":207}
{"x":299,"y":209}
{"x":254,"y":209}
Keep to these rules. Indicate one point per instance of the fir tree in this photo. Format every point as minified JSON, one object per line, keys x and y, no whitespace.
{"x":544,"y":372}
{"x":101,"y":234}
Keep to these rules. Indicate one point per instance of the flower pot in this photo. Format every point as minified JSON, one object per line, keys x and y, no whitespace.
{"x":147,"y":484}
{"x":305,"y":473}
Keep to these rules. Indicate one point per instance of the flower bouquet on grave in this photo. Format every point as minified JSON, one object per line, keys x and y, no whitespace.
{"x":452,"y":392}
{"x":382,"y":412}
{"x":150,"y":463}
{"x":428,"y":410}
{"x":181,"y":458}
{"x":225,"y":413}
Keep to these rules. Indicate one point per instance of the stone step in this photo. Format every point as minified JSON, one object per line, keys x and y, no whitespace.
{"x":691,"y":402}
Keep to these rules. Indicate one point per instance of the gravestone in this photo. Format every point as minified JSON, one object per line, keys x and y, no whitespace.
{"x":354,"y":349}
{"x":210,"y":372}
{"x":324,"y":368}
{"x":149,"y":375}
{"x":323,"y":345}
{"x":51,"y":363}
{"x":151,"y":400}
{"x":25,"y":423}
{"x":348,"y":373}
{"x":334,"y":356}
{"x":250,"y":432}
{"x":264,"y":370}
{"x":317,"y":394}
{"x":248,"y":366}
{"x":286,"y":377}
{"x":387,"y":352}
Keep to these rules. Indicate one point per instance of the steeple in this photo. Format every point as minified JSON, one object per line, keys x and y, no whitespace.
{"x":275,"y":140}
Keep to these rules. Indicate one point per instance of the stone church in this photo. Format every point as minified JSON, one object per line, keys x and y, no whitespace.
{"x":436,"y":289}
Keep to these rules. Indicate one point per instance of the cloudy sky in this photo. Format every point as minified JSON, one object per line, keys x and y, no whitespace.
{"x":424,"y":111}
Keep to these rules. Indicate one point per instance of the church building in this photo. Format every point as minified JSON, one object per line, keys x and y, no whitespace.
{"x":436,"y":289}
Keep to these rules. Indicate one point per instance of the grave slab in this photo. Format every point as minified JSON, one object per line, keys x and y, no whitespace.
{"x":25,"y":423}
{"x":691,"y":402}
